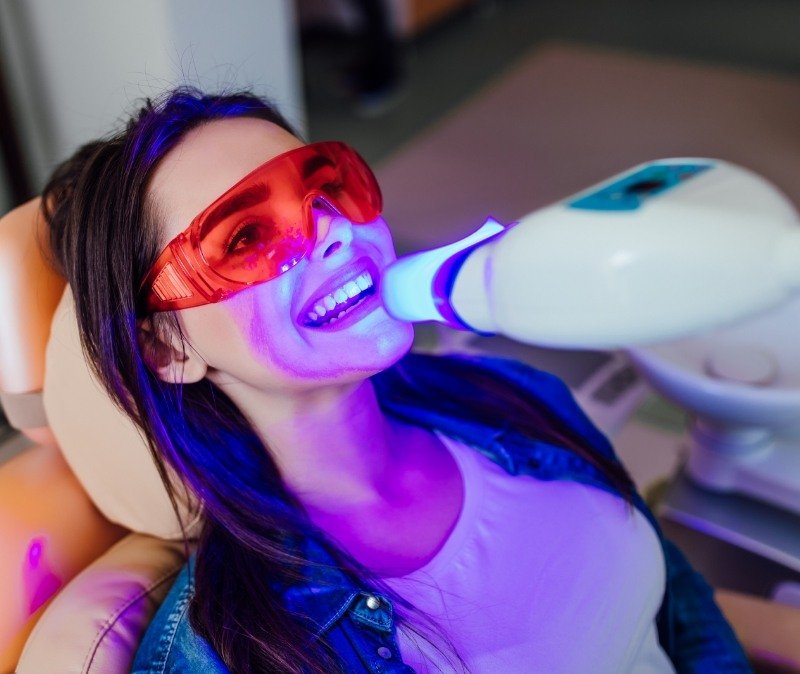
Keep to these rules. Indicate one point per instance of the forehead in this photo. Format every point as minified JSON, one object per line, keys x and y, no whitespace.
{"x":209,"y":160}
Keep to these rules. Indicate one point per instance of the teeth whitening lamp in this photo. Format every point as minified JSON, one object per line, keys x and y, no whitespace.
{"x":665,"y":250}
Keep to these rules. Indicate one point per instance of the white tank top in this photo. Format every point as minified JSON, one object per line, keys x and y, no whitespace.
{"x":538,"y":577}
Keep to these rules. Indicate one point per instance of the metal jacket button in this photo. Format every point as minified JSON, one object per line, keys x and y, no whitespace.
{"x":373,"y":602}
{"x":384,"y":652}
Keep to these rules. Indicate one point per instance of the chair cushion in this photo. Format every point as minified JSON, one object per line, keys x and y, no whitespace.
{"x":96,"y":622}
{"x":100,"y":444}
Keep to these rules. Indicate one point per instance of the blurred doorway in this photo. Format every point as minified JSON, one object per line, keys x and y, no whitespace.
{"x":16,"y":184}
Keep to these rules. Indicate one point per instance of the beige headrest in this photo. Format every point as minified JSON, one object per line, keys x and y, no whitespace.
{"x":100,"y":444}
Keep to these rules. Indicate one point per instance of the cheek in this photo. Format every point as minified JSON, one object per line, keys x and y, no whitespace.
{"x":250,"y":336}
{"x":207,"y":328}
{"x":379,"y":234}
{"x":230,"y":335}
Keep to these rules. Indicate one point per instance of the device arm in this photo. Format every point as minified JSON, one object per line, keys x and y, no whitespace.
{"x":663,"y":251}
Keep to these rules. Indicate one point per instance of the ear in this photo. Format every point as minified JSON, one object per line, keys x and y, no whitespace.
{"x":168,"y":361}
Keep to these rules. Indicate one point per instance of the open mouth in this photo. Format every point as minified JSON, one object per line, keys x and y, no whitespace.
{"x":351,"y":298}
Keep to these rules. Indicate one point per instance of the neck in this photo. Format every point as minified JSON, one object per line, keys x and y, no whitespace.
{"x":333,"y":446}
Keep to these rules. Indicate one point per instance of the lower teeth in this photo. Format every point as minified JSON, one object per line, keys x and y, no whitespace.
{"x":342,"y":313}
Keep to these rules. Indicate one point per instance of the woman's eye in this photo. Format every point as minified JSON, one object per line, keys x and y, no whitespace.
{"x":332,"y":187}
{"x":247,"y":237}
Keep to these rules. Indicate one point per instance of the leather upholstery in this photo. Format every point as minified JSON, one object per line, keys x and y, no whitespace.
{"x":100,"y":444}
{"x":95,"y":621}
{"x":95,"y":624}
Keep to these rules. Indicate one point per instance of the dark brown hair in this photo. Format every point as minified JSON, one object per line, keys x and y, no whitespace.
{"x":104,"y":239}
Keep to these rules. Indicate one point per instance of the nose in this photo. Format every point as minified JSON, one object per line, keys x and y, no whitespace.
{"x":333,"y":232}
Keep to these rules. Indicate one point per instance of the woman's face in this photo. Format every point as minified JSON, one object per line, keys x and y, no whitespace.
{"x":260,"y":336}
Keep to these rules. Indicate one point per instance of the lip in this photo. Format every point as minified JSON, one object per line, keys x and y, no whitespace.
{"x":339,"y":278}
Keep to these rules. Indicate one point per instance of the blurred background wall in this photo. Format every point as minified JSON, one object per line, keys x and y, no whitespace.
{"x":72,"y":69}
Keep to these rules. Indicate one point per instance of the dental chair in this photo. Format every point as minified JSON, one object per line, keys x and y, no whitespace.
{"x":89,"y":543}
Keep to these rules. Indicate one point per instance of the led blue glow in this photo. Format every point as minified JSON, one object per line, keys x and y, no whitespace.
{"x":409,"y":288}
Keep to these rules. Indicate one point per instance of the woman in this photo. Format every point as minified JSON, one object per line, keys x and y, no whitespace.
{"x":225,"y":279}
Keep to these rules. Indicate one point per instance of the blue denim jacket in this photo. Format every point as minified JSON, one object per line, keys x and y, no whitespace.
{"x":692,"y":630}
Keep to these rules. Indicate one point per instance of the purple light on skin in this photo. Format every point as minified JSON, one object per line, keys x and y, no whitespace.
{"x":38,"y":578}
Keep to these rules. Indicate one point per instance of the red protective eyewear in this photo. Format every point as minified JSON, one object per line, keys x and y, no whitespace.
{"x":261,"y":227}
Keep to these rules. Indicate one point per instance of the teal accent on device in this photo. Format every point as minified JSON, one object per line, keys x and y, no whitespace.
{"x":630,"y":192}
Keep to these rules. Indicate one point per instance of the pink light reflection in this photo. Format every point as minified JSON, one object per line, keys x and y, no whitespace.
{"x":38,"y":578}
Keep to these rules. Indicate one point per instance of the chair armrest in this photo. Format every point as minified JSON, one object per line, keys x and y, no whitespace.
{"x":95,"y":624}
{"x":768,"y":630}
{"x":49,"y":531}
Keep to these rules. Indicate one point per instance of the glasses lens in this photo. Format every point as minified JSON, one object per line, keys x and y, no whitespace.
{"x":260,"y":227}
{"x":344,"y":179}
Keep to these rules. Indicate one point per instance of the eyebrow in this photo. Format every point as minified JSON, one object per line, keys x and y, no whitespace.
{"x":245,"y":199}
{"x":314,"y":164}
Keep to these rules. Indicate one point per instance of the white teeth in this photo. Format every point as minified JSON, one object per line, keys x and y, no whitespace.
{"x":340,"y":295}
{"x":313,"y":316}
{"x":364,"y":281}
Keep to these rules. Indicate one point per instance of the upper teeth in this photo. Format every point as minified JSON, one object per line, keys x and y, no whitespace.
{"x":339,"y":296}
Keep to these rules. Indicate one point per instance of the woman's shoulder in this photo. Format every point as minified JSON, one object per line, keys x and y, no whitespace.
{"x":170,"y":645}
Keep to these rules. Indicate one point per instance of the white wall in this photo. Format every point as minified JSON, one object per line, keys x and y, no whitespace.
{"x":77,"y":67}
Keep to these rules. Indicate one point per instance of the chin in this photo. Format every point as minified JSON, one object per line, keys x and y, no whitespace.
{"x":398,"y":341}
{"x":389,"y":346}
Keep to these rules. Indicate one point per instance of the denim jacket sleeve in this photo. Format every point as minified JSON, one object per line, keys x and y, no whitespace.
{"x":170,"y":645}
{"x":701,"y":638}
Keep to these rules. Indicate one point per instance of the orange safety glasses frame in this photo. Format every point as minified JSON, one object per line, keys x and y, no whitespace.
{"x":261,"y":227}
